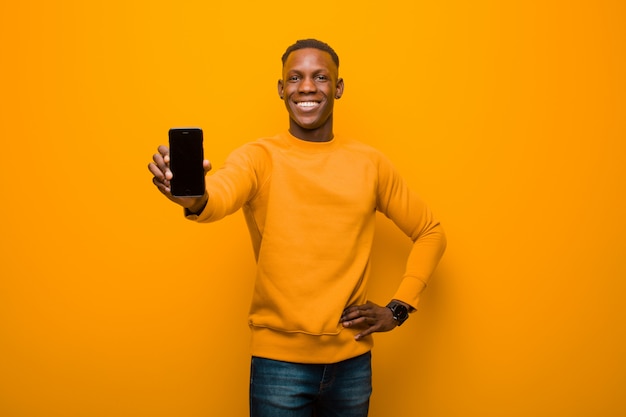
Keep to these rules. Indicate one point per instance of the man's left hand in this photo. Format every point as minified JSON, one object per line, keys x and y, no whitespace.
{"x":369,"y":316}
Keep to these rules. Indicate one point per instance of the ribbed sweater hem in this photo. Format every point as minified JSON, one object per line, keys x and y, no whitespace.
{"x":306,"y":348}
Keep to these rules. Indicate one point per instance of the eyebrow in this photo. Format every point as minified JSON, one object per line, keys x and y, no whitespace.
{"x":314,"y":72}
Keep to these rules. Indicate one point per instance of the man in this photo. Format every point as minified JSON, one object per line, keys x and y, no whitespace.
{"x":310,"y":201}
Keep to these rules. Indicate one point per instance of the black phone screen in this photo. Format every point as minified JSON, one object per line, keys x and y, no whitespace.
{"x":186,"y":156}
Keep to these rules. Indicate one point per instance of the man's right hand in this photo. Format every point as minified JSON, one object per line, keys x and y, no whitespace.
{"x":162,"y":175}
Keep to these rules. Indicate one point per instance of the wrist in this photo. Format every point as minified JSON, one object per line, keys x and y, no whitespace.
{"x":195,"y":209}
{"x":399,"y":310}
{"x":199,"y":205}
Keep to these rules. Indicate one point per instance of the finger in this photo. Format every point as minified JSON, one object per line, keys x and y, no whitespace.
{"x":365,"y":332}
{"x":345,"y":312}
{"x":360,"y":321}
{"x":356,"y":311}
{"x":159,"y":178}
{"x":156,"y":171}
{"x":375,"y":326}
{"x":162,"y":161}
{"x":164,"y":150}
{"x":163,"y":186}
{"x":350,"y":313}
{"x":159,"y":161}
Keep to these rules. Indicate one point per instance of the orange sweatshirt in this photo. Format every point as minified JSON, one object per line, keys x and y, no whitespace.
{"x":310,"y":209}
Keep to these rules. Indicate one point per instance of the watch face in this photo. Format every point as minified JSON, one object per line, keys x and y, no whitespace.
{"x":401,"y":312}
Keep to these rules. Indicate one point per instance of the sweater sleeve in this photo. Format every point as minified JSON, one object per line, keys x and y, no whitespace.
{"x":233,"y":184}
{"x":411,"y":214}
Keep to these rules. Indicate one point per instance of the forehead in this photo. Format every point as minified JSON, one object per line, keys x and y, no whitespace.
{"x":309,"y":58}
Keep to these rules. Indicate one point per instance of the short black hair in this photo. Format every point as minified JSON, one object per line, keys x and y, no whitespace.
{"x":311,"y":43}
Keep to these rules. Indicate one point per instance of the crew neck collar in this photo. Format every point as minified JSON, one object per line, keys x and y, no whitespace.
{"x":310,"y":146}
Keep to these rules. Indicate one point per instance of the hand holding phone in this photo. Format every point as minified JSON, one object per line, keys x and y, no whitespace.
{"x":186,"y":162}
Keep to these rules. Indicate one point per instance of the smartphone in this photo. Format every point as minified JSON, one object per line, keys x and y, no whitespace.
{"x":186,"y":156}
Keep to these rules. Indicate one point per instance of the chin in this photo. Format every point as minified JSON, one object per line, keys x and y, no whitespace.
{"x":308,"y":124}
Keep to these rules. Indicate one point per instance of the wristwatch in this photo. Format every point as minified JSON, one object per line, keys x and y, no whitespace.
{"x":399,"y":311}
{"x":193,"y":215}
{"x":190,"y":215}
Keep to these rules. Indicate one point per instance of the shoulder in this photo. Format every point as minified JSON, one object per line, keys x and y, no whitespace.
{"x":256,"y":148}
{"x":263,"y":145}
{"x":255,"y":156}
{"x":364,"y":150}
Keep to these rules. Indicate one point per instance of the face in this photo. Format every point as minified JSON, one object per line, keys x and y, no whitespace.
{"x":309,"y":87}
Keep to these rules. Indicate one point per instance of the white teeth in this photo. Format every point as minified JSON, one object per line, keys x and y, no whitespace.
{"x":307,"y":103}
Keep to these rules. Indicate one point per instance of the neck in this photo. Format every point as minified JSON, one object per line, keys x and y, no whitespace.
{"x":321,"y":134}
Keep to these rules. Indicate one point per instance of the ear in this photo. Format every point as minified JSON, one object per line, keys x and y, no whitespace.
{"x":281,"y":89}
{"x":339,"y":89}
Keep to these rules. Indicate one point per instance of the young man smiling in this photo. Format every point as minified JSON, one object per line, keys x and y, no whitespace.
{"x":309,"y":87}
{"x":310,"y":201}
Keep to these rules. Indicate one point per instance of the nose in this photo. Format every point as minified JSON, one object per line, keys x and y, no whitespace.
{"x":307,"y":85}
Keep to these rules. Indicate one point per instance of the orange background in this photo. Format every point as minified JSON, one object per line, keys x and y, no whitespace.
{"x":508,"y":117}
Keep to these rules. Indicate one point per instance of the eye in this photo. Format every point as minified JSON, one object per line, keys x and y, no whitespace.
{"x":321,"y":77}
{"x":293,"y":78}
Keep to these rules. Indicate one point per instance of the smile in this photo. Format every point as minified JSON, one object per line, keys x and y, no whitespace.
{"x":307,"y":104}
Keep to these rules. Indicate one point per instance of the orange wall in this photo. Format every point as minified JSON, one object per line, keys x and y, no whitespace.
{"x":508,"y":117}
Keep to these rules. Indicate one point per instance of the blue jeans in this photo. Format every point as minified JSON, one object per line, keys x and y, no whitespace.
{"x":284,"y":389}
